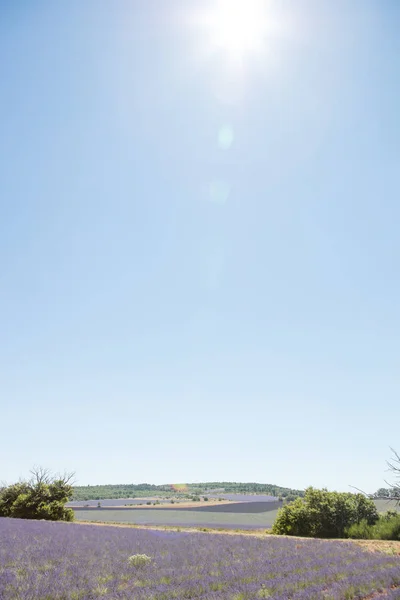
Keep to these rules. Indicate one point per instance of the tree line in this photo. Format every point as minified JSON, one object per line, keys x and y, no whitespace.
{"x":99,"y":492}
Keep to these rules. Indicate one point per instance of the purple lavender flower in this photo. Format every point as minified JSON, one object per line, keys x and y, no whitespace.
{"x":65,"y":561}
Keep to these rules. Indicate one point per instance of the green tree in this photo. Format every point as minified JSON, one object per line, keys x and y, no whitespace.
{"x":324,"y":514}
{"x":43,"y":497}
{"x":290,"y":497}
{"x":9,"y":495}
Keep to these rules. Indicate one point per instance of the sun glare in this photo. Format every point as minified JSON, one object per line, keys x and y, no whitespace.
{"x":238,"y":26}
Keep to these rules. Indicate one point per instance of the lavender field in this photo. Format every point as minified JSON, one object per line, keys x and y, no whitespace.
{"x":179,"y":517}
{"x":64,"y":561}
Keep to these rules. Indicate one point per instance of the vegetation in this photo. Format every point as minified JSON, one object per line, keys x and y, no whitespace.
{"x":49,"y":561}
{"x":248,"y":488}
{"x":387,"y":493}
{"x":43,"y":497}
{"x":101,"y":492}
{"x":324,"y":514}
{"x":386,"y":528}
{"x":139,"y":560}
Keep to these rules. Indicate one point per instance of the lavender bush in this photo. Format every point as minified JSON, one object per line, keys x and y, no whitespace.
{"x":65,"y":561}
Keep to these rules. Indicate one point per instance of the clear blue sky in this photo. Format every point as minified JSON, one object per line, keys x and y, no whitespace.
{"x":199,"y":241}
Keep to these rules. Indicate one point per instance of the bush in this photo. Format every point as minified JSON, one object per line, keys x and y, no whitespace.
{"x":293,"y":519}
{"x":389,"y":514}
{"x":290,"y":498}
{"x":360,"y":531}
{"x":9,"y":495}
{"x":139,"y":560}
{"x":324,"y":514}
{"x":386,"y":528}
{"x":44,"y":497}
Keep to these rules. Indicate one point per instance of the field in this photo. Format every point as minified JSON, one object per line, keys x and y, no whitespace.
{"x":65,"y":561}
{"x":251,"y":514}
{"x":182,"y":518}
{"x":178,"y":499}
{"x":233,"y":515}
{"x":384,"y":505}
{"x":151,"y":502}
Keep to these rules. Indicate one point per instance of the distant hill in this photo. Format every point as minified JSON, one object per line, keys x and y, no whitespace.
{"x":102,"y":492}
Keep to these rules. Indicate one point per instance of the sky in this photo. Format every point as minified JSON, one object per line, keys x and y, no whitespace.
{"x":199,"y":240}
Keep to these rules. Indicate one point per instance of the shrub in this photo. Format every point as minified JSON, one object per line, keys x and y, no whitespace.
{"x":293,"y":519}
{"x":324,"y":514}
{"x":290,"y":498}
{"x":43,"y":497}
{"x":360,"y":531}
{"x":387,"y":528}
{"x":389,"y":514}
{"x":139,"y":560}
{"x":9,"y":495}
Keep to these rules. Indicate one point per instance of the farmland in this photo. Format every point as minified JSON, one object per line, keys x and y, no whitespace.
{"x":62,"y":561}
{"x":231,"y":515}
{"x":383,"y":505}
{"x":178,"y":498}
{"x":251,"y":514}
{"x":184,"y":518}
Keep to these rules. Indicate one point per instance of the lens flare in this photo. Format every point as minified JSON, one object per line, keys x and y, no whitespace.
{"x":179,"y":487}
{"x":238,"y":27}
{"x":226,"y":137}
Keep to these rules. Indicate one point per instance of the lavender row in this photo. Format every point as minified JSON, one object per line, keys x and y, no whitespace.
{"x":62,"y":561}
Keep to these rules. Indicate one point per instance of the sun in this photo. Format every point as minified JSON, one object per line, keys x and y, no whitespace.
{"x":238,"y":27}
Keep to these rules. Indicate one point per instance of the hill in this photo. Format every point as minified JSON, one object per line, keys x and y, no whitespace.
{"x":101,"y":492}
